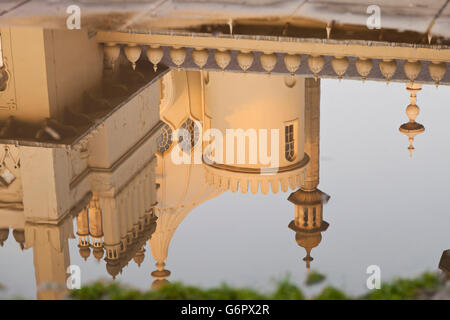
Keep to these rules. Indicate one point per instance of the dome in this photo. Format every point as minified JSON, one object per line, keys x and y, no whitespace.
{"x":139,"y":257}
{"x":268,"y":61}
{"x":112,"y":53}
{"x":4,"y":233}
{"x":200,"y":57}
{"x":245,"y":60}
{"x":178,"y":55}
{"x":98,"y":253}
{"x":437,"y":71}
{"x":292,"y":62}
{"x":308,"y":240}
{"x":364,"y":66}
{"x":340,"y":65}
{"x":412,"y":69}
{"x":132,"y":52}
{"x":223,"y":58}
{"x":154,"y":55}
{"x":316,"y":64}
{"x":388,"y":68}
{"x":19,"y":236}
{"x":113,"y":268}
{"x":85,"y":252}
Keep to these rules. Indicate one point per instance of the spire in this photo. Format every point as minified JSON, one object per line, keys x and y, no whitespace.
{"x":160,"y":275}
{"x":139,"y":256}
{"x":308,"y":223}
{"x":412,"y":128}
{"x":308,"y":259}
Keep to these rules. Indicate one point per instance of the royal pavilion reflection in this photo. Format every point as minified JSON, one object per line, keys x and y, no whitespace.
{"x":102,"y":151}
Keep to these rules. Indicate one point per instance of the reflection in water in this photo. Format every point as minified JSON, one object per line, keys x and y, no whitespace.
{"x":444,"y":263}
{"x":412,"y":128}
{"x":116,"y":174}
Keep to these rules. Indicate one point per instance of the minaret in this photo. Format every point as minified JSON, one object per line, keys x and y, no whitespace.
{"x":308,"y":200}
{"x":83,"y":234}
{"x":96,"y":227}
{"x":308,"y":223}
{"x":412,"y":128}
{"x":109,"y":206}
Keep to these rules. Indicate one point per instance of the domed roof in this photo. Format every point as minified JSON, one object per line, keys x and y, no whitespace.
{"x":113,"y":267}
{"x":85,"y":252}
{"x":19,"y":236}
{"x":98,"y":253}
{"x":4,"y":233}
{"x":139,"y":257}
{"x":308,"y":240}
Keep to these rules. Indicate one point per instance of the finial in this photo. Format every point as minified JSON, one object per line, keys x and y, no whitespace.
{"x":308,"y":259}
{"x":230,"y":24}
{"x":411,"y":148}
{"x":412,"y":128}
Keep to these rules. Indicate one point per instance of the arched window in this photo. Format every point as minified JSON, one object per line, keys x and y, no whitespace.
{"x":191,"y":136}
{"x":165,"y":139}
{"x":289,"y":142}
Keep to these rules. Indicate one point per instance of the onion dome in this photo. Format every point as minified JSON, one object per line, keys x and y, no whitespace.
{"x":139,"y":256}
{"x":85,"y":252}
{"x":245,"y":60}
{"x":113,"y":268}
{"x":268,"y":61}
{"x":340,"y":65}
{"x":133,"y":53}
{"x":19,"y":236}
{"x":98,"y":252}
{"x":4,"y":233}
{"x":154,"y":54}
{"x":292,"y":62}
{"x":437,"y":71}
{"x":223,"y":58}
{"x":388,"y":68}
{"x":412,"y":69}
{"x":364,"y":67}
{"x":112,"y":53}
{"x":200,"y":57}
{"x":316,"y":64}
{"x":178,"y":55}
